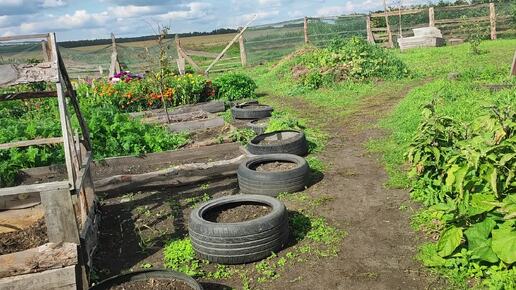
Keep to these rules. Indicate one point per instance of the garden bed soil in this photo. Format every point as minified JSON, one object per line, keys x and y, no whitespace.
{"x":276,"y":166}
{"x":278,"y":138}
{"x":31,"y":237}
{"x":236,"y":213}
{"x":154,"y":284}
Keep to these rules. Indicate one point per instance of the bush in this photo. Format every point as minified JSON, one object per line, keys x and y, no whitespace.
{"x":234,"y":86}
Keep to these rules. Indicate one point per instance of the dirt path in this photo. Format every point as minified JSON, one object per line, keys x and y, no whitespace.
{"x":379,"y":251}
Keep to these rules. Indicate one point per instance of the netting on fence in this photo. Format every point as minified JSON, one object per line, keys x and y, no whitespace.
{"x":461,"y":21}
{"x":273,"y":41}
{"x":409,"y":19}
{"x":322,"y":30}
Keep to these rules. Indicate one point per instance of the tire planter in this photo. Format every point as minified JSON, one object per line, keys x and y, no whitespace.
{"x":251,"y":111}
{"x":287,"y":142}
{"x":258,"y":126}
{"x":272,"y":183}
{"x":241,"y":242}
{"x":146,"y":275}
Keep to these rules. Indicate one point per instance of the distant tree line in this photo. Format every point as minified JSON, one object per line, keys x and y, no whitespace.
{"x":90,"y":42}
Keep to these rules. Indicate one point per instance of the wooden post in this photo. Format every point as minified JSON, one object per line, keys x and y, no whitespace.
{"x":389,"y":33}
{"x":115,"y":64}
{"x":305,"y":28}
{"x":513,"y":69}
{"x":492,"y":19}
{"x":46,"y":50}
{"x":431,"y":17}
{"x":180,"y":58}
{"x":223,"y":52}
{"x":243,"y":54}
{"x":370,"y":36}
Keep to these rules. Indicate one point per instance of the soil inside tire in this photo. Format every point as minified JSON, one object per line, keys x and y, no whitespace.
{"x":275,"y":166}
{"x":31,"y":237}
{"x":252,"y":107}
{"x":237,"y":212}
{"x":277,"y":138}
{"x":169,"y":284}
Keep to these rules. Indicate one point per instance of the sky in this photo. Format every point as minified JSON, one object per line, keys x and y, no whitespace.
{"x":93,"y":19}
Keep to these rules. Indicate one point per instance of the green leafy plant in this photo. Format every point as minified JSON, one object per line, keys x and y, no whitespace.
{"x":180,"y":256}
{"x":243,"y":136}
{"x":234,"y":86}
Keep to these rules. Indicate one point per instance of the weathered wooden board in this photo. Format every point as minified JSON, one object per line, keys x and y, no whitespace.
{"x":140,"y":164}
{"x":12,"y":74}
{"x":15,"y":220}
{"x":210,"y":107}
{"x":212,"y":121}
{"x":176,"y":176}
{"x":56,"y":279}
{"x":27,"y":143}
{"x":60,"y":216}
{"x":45,"y":257}
{"x":22,"y":189}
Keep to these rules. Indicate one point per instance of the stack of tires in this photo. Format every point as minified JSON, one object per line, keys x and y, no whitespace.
{"x":277,"y":166}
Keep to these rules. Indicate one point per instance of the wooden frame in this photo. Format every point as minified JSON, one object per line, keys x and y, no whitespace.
{"x":57,"y":198}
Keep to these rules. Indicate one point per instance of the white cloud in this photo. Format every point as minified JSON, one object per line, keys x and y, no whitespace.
{"x":336,"y":10}
{"x":131,"y":11}
{"x":53,"y":3}
{"x":80,"y":19}
{"x":193,"y":10}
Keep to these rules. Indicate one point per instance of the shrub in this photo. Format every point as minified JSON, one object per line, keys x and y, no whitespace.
{"x":234,"y":86}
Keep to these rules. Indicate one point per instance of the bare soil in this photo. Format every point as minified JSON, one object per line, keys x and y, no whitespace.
{"x":236,"y":213}
{"x":278,"y":138}
{"x":379,"y":251}
{"x":31,"y":237}
{"x":276,"y":166}
{"x":153,"y":284}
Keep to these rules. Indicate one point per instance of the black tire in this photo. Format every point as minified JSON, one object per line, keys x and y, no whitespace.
{"x":285,"y":142}
{"x":251,"y":111}
{"x":258,"y":126}
{"x":146,"y":275}
{"x":251,"y":181}
{"x":243,"y":242}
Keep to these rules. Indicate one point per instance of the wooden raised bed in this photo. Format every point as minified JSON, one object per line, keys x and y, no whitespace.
{"x":69,"y":205}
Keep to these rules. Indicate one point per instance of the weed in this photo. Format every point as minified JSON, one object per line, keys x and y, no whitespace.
{"x":180,"y":256}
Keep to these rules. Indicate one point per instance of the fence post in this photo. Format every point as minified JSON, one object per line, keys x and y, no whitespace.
{"x":513,"y":68}
{"x":243,"y":54}
{"x":492,"y":19}
{"x":389,"y":33}
{"x":114,"y":68}
{"x":370,"y":37}
{"x":431,"y":17}
{"x":305,"y":28}
{"x":180,"y":59}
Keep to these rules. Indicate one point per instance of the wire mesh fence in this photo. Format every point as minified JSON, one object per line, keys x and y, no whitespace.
{"x":264,"y":43}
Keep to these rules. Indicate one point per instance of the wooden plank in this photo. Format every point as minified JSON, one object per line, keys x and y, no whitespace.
{"x":45,"y":257}
{"x":46,"y":50}
{"x":13,"y":74}
{"x":210,"y":107}
{"x":243,"y":53}
{"x":229,"y":45}
{"x":85,"y":167}
{"x":492,"y":20}
{"x":23,"y":189}
{"x":396,"y":13}
{"x":56,"y":279}
{"x":60,"y":216}
{"x":513,"y":67}
{"x":200,"y":53}
{"x":467,"y":20}
{"x":28,"y":95}
{"x":75,"y":103}
{"x":22,"y":37}
{"x":176,"y":176}
{"x":89,"y":233}
{"x":459,"y":7}
{"x":26,"y":143}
